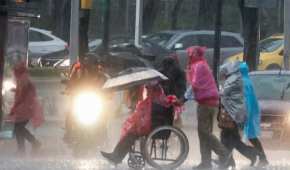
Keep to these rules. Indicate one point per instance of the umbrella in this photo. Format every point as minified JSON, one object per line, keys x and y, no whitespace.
{"x":133,"y":77}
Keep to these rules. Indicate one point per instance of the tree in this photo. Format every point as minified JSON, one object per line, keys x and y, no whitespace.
{"x":250,"y":20}
{"x":174,"y":14}
{"x":149,"y":15}
{"x":206,"y":15}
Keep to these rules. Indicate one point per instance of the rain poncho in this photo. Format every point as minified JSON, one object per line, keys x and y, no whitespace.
{"x":252,"y":125}
{"x":232,"y":96}
{"x":140,"y":122}
{"x":200,"y":77}
{"x":26,"y":105}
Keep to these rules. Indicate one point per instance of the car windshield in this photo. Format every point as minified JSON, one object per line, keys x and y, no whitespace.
{"x":160,"y":38}
{"x":271,"y":44}
{"x":270,"y":87}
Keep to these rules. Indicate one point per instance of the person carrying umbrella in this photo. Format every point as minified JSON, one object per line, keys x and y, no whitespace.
{"x":143,"y":120}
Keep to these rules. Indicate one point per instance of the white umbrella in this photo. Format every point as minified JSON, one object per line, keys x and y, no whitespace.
{"x":132,"y":77}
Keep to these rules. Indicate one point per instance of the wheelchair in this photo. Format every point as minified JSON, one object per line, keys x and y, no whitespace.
{"x":166,"y":147}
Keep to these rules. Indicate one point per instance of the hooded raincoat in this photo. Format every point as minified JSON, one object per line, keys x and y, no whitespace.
{"x":140,"y":122}
{"x":252,"y":127}
{"x":200,"y":77}
{"x":26,"y":106}
{"x":232,"y":96}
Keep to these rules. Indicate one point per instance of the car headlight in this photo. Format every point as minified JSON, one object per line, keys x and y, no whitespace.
{"x":87,"y":107}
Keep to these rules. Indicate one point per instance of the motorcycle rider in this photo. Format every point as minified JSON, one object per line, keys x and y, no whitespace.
{"x":85,"y":73}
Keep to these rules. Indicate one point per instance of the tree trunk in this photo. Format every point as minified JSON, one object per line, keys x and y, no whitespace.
{"x":174,"y":15}
{"x":83,"y":32}
{"x":250,"y":18}
{"x":206,"y":14}
{"x":62,"y":19}
{"x":150,"y":14}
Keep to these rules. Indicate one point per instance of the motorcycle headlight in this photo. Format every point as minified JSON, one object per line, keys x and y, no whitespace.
{"x":87,"y":107}
{"x":7,"y":86}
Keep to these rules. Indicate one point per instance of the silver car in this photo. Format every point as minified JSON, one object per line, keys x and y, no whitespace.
{"x":179,"y":41}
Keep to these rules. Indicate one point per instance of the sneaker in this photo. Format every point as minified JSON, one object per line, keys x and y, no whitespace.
{"x":203,"y":166}
{"x":110,"y":157}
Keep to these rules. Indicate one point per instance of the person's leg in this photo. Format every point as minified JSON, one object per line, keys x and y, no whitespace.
{"x":19,"y":136}
{"x":258,"y":146}
{"x":228,"y":142}
{"x":213,"y":142}
{"x":29,"y":137}
{"x":204,"y":127}
{"x":121,"y":149}
{"x":247,"y":151}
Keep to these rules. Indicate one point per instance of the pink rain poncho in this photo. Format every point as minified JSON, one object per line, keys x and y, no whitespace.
{"x":139,"y":123}
{"x":200,"y":77}
{"x":26,"y":106}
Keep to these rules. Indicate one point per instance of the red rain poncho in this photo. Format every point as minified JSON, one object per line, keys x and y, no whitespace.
{"x":200,"y":77}
{"x":139,"y":123}
{"x":26,"y":106}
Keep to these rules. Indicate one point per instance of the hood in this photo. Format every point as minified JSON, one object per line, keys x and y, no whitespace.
{"x":244,"y":69}
{"x":229,"y":68}
{"x":195,"y":53}
{"x":275,"y":107}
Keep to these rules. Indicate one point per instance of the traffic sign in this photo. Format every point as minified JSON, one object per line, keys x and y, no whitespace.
{"x":260,"y":3}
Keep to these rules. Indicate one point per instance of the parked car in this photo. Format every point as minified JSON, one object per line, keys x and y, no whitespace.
{"x":271,"y":53}
{"x":42,"y":44}
{"x":273,"y":91}
{"x":179,"y":41}
{"x":149,"y":50}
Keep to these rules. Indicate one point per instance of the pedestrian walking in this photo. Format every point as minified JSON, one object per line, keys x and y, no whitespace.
{"x":26,"y":108}
{"x":252,"y":129}
{"x":232,"y":114}
{"x":205,"y":91}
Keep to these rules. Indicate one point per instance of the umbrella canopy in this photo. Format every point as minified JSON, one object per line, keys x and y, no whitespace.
{"x":132,"y":77}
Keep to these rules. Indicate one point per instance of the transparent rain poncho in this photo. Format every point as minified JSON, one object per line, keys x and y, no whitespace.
{"x":232,"y":97}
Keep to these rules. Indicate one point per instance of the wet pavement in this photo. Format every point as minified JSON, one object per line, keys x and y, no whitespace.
{"x":55,"y":155}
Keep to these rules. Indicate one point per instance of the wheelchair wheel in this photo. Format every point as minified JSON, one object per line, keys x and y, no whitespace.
{"x":166,"y":147}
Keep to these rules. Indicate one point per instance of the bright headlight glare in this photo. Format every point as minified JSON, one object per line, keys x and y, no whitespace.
{"x":87,"y":107}
{"x":8,"y":85}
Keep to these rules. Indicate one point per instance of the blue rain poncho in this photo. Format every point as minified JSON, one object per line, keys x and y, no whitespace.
{"x":252,"y":125}
{"x":232,"y":96}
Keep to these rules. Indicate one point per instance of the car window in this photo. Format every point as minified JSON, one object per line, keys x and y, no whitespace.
{"x":188,"y":41}
{"x":206,"y":40}
{"x":270,"y":87}
{"x":161,"y":39}
{"x":35,"y":36}
{"x":230,"y":42}
{"x":270,"y":44}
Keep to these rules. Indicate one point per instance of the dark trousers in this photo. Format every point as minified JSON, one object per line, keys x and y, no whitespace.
{"x":21,"y":134}
{"x":208,"y":142}
{"x":123,"y":147}
{"x":232,"y":140}
{"x":258,"y":146}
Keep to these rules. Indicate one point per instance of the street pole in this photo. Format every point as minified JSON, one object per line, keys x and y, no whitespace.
{"x":138,"y":23}
{"x":107,"y":17}
{"x":286,"y":33}
{"x":217,"y":45}
{"x":74,"y":31}
{"x":3,"y":40}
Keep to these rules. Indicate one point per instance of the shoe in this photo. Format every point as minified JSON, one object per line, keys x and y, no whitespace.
{"x":203,"y":166}
{"x":110,"y":157}
{"x":263,"y":163}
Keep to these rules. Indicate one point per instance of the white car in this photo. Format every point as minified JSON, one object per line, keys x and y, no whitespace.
{"x":43,"y":43}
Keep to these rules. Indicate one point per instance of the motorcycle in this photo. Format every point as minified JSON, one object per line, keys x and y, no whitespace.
{"x":87,"y":120}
